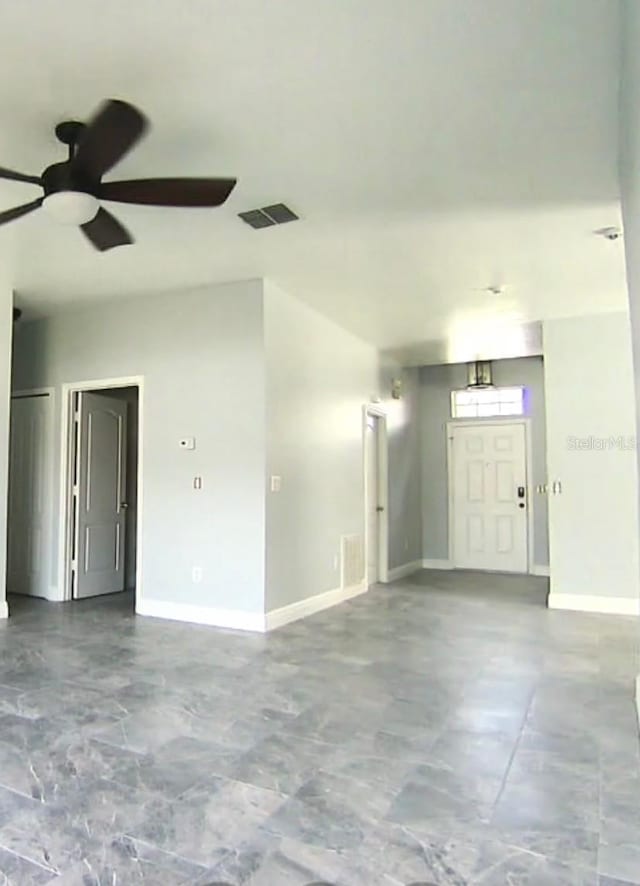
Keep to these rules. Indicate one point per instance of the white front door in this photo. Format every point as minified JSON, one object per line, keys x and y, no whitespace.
{"x":489,"y":497}
{"x":99,"y":539}
{"x":29,"y":512}
{"x":372,"y":479}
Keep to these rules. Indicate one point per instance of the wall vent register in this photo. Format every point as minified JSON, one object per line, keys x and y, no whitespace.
{"x":488,"y":402}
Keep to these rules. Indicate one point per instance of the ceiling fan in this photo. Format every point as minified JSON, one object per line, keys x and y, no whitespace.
{"x":74,"y":189}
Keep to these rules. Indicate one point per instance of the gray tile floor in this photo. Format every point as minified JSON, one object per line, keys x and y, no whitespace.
{"x":447,"y":729}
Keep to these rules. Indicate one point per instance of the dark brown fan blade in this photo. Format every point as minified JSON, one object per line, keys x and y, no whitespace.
{"x":17,"y":211}
{"x":19,"y":176}
{"x":109,"y":135}
{"x":169,"y":191}
{"x":105,"y":231}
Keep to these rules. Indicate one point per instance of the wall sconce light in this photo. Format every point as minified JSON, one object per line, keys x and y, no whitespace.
{"x":396,"y":388}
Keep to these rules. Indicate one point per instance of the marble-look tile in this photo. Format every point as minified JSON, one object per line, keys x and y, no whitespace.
{"x":448,"y":730}
{"x":330,"y":811}
{"x":545,"y":807}
{"x":579,"y":746}
{"x":60,"y":834}
{"x":470,"y":856}
{"x":619,"y":850}
{"x":293,"y":863}
{"x":13,"y":804}
{"x":281,"y":762}
{"x":438,"y":794}
{"x":474,"y":753}
{"x":611,"y":881}
{"x":16,"y":871}
{"x":242,"y":863}
{"x":206,"y":822}
{"x":48,"y":773}
{"x":9,"y":700}
{"x":129,"y":861}
{"x":578,"y":848}
{"x":171,"y":770}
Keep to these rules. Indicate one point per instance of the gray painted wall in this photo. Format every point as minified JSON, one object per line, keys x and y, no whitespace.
{"x":405,"y":468}
{"x":436,"y":384}
{"x":6,"y":308}
{"x":629,"y":166}
{"x":594,"y":521}
{"x":319,"y":377}
{"x":202,"y":357}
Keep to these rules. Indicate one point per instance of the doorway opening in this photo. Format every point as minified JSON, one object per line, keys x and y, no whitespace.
{"x":490,"y":516}
{"x":101,"y":482}
{"x":375,"y":486}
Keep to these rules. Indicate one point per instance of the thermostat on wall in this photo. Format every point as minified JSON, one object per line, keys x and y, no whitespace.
{"x":187,"y":443}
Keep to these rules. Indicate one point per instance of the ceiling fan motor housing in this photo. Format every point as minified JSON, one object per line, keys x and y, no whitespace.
{"x":61,"y":177}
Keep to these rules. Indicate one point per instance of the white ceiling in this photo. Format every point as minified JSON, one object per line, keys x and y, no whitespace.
{"x":431,"y":147}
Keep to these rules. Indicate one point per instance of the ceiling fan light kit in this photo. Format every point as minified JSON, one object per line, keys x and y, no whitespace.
{"x":73,"y":190}
{"x":71,"y":207}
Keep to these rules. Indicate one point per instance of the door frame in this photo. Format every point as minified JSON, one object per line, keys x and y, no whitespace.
{"x":68,"y":389}
{"x":377,"y":411}
{"x":487,"y":422}
{"x":50,"y":394}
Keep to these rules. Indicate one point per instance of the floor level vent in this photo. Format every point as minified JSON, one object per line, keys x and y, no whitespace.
{"x":352,"y":560}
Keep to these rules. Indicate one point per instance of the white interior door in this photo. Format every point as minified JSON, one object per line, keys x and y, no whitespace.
{"x":489,"y":497}
{"x":29,"y":512}
{"x":100,"y":508}
{"x":372,"y":461}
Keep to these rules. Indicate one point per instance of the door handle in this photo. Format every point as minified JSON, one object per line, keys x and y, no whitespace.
{"x":379,"y":509}
{"x":521,"y":492}
{"x":124,"y":505}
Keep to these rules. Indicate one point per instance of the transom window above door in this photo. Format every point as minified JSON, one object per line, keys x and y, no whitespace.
{"x":487,"y":402}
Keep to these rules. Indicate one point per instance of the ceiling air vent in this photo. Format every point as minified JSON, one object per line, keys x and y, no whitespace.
{"x":278,"y":214}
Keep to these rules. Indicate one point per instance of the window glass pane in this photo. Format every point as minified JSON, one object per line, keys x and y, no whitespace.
{"x":487,"y":403}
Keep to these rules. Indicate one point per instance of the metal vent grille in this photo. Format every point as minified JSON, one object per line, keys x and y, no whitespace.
{"x":352,"y":560}
{"x":256,"y":218}
{"x":280,"y":213}
{"x":277,"y":214}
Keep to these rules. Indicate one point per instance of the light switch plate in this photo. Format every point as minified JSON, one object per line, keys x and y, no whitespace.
{"x":187,"y":443}
{"x":276,"y":483}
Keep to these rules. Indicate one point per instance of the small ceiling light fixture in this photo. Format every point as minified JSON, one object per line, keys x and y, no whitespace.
{"x":610,"y":233}
{"x":479,"y":375}
{"x":494,"y":289}
{"x":71,"y":207}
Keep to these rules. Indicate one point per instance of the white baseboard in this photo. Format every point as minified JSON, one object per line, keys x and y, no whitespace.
{"x":404,"y":570}
{"x":202,"y":615}
{"x":437,"y":564}
{"x":247,"y":621}
{"x":595,"y":603}
{"x":302,"y":608}
{"x":4,"y":609}
{"x":537,"y":569}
